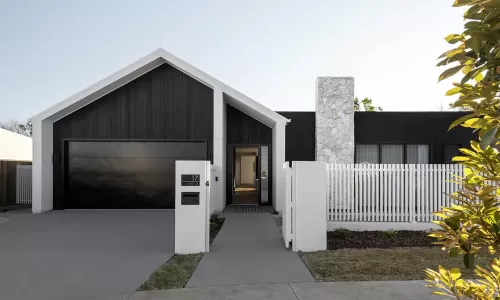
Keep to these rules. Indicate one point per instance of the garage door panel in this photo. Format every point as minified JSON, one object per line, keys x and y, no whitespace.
{"x":125,"y":192}
{"x":137,"y":149}
{"x":126,"y":182}
{"x":121,"y":165}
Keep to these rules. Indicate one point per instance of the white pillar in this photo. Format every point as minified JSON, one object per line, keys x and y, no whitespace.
{"x":42,"y":198}
{"x":278,"y":160}
{"x":218,"y":190}
{"x":309,"y":213}
{"x":192,"y":206}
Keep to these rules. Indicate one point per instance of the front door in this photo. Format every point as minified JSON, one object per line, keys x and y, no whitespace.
{"x":248,"y":175}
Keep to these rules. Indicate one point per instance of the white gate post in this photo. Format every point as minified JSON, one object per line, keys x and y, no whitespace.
{"x":309,"y":214}
{"x":192,"y":207}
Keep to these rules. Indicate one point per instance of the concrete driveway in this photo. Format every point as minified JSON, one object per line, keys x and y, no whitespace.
{"x":81,"y":254}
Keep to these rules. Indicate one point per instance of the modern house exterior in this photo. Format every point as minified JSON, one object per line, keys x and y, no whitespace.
{"x":15,"y":149}
{"x":114,"y":144}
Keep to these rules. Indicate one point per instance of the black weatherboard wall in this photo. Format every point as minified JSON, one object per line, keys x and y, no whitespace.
{"x":300,"y":135}
{"x":243,"y":129}
{"x":162,"y":105}
{"x":428,"y":128}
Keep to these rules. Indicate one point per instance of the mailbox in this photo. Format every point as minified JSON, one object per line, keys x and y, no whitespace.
{"x":190,"y":198}
{"x":192,"y":206}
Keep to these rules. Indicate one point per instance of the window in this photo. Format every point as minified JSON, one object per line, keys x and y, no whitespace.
{"x":392,"y":154}
{"x":417,"y":154}
{"x":367,"y":154}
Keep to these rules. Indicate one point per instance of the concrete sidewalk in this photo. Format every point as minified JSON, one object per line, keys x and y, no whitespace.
{"x":373,"y":290}
{"x":249,"y":249}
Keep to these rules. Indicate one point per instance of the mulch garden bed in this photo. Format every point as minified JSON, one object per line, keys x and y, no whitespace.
{"x":342,"y":238}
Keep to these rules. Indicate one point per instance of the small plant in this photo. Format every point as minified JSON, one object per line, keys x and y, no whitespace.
{"x":391,"y":233}
{"x":342,"y":232}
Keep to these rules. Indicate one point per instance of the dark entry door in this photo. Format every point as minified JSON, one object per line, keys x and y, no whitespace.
{"x":125,"y":174}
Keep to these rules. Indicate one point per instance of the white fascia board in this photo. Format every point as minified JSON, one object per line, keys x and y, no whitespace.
{"x":109,"y":83}
{"x":142,"y":66}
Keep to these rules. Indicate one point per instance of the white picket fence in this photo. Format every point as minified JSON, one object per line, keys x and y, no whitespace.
{"x":389,"y":192}
{"x":23,"y":184}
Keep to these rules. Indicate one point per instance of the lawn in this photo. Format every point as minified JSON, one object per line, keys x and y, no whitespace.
{"x":380,"y":264}
{"x":173,"y":274}
{"x":176,"y":272}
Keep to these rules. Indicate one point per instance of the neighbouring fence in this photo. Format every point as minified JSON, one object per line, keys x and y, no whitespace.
{"x":389,"y":192}
{"x":23,"y":184}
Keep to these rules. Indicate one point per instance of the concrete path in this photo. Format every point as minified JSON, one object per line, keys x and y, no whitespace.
{"x":249,"y":249}
{"x":81,"y":255}
{"x":373,"y":290}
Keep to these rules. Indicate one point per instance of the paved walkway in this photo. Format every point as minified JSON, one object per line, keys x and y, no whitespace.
{"x":373,"y":290}
{"x":249,"y":249}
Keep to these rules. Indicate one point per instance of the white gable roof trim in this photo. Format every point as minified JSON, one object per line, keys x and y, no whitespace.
{"x":141,"y":67}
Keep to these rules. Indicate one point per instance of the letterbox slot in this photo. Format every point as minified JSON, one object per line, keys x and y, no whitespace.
{"x":190,"y":198}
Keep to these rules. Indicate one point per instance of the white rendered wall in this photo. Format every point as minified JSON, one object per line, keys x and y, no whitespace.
{"x":219,"y":158}
{"x":192,"y":225}
{"x":309,"y":211}
{"x":278,"y":149}
{"x":42,"y":166}
{"x":14,"y":146}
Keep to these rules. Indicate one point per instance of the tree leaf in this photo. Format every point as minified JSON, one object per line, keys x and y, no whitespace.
{"x":450,"y":72}
{"x":469,"y":260}
{"x":458,"y":3}
{"x":460,"y":158}
{"x":472,"y":24}
{"x":474,"y":43}
{"x":454,"y":38}
{"x":455,"y":273}
{"x":453,"y":91}
{"x":461,"y":120}
{"x":440,"y":293}
{"x":488,"y":137}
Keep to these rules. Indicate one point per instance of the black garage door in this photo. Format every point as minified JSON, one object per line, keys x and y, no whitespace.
{"x":125,"y":174}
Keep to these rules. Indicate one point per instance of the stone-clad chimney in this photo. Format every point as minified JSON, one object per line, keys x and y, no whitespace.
{"x":335,"y":119}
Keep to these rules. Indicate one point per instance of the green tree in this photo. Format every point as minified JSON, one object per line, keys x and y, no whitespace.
{"x":471,"y":227}
{"x":365,"y":105}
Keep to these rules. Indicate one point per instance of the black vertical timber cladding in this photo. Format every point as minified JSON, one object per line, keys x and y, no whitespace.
{"x":300,"y":135}
{"x":243,"y":129}
{"x":163,"y":104}
{"x":427,"y":128}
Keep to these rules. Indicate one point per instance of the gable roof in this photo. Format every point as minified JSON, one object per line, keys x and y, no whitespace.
{"x":141,"y":67}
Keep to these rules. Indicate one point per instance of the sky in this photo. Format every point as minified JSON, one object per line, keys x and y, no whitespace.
{"x":270,"y":50}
